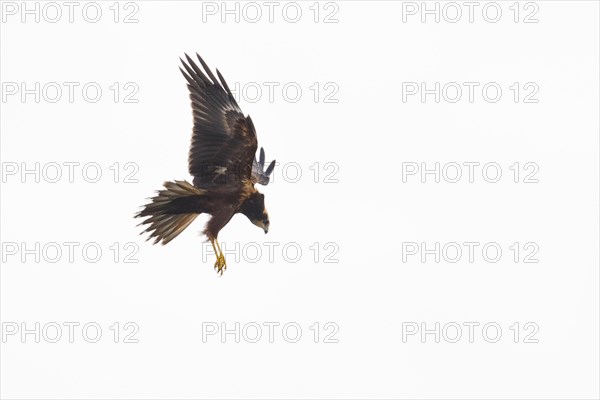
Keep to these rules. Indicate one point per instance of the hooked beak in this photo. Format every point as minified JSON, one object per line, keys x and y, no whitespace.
{"x":261,"y":224}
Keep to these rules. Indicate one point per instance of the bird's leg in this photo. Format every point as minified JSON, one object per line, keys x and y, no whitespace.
{"x":212,"y":241}
{"x":223,"y":264}
{"x":220,"y":265}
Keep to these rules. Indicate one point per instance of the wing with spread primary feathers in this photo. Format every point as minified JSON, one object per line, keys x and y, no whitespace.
{"x":224,"y":140}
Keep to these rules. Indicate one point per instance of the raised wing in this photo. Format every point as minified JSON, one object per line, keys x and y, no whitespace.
{"x":224,"y":140}
{"x":259,"y":175}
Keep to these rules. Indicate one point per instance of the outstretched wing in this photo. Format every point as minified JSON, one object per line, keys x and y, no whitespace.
{"x":259,"y":174}
{"x":224,"y":140}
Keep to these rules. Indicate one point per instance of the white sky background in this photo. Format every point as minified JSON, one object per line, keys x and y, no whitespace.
{"x":361,"y":211}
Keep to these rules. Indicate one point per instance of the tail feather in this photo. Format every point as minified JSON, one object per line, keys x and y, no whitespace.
{"x":167,"y":218}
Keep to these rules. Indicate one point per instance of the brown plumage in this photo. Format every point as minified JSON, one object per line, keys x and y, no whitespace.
{"x":222,"y":162}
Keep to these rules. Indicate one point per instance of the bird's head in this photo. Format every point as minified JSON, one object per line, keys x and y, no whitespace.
{"x":254,"y":208}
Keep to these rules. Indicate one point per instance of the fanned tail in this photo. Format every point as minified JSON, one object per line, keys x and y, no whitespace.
{"x":171,"y":211}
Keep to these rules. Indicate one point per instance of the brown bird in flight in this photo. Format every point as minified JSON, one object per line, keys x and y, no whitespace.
{"x":223,"y":163}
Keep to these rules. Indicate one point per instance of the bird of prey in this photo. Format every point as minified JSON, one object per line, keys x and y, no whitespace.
{"x":222,"y":160}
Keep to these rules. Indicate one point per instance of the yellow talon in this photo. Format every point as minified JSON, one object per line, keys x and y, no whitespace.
{"x":220,"y":264}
